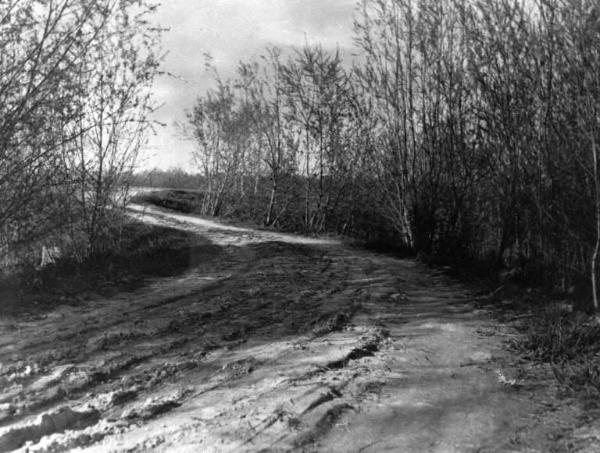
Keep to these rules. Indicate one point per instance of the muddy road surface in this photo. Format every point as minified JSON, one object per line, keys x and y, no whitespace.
{"x":274,"y":343}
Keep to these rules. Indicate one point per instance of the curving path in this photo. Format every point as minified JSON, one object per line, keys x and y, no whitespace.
{"x":275,"y":343}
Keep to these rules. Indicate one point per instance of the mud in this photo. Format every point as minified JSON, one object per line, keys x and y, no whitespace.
{"x":280,"y":343}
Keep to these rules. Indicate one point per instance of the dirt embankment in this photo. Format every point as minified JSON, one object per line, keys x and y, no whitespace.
{"x":277,"y":343}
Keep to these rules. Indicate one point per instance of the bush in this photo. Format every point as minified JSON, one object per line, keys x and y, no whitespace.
{"x":185,"y":201}
{"x":570,"y":342}
{"x":557,"y":336}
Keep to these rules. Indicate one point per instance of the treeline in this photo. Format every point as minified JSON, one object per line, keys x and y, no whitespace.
{"x":465,"y":128}
{"x":171,"y":178}
{"x":281,"y":144}
{"x":75,"y":79}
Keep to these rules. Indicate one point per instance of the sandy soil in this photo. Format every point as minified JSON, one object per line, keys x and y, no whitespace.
{"x":277,"y":343}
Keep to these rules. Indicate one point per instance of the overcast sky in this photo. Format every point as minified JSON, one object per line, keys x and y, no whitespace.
{"x":230,"y":30}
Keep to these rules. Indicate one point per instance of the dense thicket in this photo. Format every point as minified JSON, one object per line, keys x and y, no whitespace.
{"x":74,"y":99}
{"x":466,"y":128}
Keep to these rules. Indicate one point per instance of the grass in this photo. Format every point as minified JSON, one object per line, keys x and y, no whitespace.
{"x":570,"y":343}
{"x":561,"y":336}
{"x":143,"y":252}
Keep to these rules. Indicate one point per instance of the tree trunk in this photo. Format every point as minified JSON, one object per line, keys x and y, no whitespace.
{"x":597,"y":247}
{"x":271,"y":201}
{"x":307,"y":206}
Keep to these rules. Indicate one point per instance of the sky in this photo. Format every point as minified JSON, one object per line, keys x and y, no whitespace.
{"x":230,"y":31}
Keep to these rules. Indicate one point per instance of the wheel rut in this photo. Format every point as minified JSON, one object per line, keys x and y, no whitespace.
{"x":287,"y":344}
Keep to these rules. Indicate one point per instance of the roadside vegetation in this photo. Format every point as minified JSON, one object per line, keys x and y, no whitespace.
{"x":569,"y":343}
{"x":186,"y":201}
{"x":75,"y":99}
{"x":137,"y":253}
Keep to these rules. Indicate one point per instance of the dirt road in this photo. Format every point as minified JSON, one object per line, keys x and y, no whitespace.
{"x":272,"y":343}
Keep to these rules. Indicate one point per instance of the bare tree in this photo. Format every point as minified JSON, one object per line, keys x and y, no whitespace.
{"x":56,"y":60}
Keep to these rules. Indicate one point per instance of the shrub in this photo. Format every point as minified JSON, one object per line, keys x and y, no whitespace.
{"x":570,"y":342}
